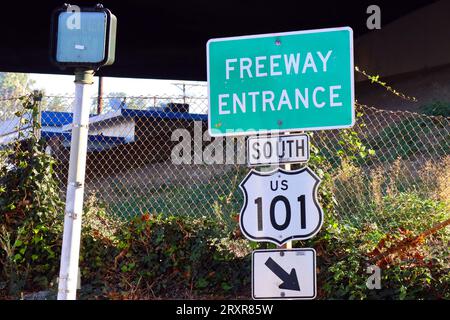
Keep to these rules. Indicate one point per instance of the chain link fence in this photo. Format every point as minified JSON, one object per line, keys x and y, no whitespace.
{"x":152,"y":154}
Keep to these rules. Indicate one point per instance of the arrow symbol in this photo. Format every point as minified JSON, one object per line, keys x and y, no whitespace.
{"x":290,"y":280}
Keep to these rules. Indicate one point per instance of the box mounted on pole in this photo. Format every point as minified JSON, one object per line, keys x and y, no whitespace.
{"x":83,"y":37}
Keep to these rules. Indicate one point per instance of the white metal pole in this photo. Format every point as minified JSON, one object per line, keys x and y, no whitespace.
{"x":68,"y":274}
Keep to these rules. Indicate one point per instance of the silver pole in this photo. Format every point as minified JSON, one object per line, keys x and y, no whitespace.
{"x":100,"y":95}
{"x":287,"y":167}
{"x":68,"y":275}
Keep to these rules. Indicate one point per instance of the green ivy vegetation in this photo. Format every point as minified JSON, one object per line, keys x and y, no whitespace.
{"x":418,"y":271}
{"x":30,"y":208}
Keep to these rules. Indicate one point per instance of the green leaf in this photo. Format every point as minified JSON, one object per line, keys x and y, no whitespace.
{"x":202,"y":283}
{"x":18,"y":243}
{"x":225,"y":286}
{"x":23,"y":164}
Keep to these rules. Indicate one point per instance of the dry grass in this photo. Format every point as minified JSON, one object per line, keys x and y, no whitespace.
{"x":361,"y":192}
{"x":436,"y":178}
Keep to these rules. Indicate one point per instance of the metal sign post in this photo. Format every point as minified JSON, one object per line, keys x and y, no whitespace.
{"x":68,"y":275}
{"x":83,"y":39}
{"x":287,"y":167}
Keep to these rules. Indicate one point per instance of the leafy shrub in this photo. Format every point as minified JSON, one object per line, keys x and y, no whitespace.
{"x":180,"y":257}
{"x":344,"y":253}
{"x":31,"y":210}
{"x":411,"y":212}
{"x":99,"y":242}
{"x":388,"y":209}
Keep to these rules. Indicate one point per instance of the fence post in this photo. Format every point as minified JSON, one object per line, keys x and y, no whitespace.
{"x":37,"y":97}
{"x":68,"y":276}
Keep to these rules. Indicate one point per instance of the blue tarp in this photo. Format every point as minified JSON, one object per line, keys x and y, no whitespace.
{"x":56,"y":119}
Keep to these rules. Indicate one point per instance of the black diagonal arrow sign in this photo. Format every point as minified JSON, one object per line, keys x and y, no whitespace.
{"x":290,"y":280}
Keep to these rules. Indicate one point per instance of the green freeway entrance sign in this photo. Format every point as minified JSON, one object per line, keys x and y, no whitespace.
{"x":281,"y":82}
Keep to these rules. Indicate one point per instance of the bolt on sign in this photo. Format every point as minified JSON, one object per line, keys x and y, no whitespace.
{"x":291,"y":81}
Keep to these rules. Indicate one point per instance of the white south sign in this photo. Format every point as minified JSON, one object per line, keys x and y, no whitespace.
{"x":280,"y":205}
{"x":263,"y":150}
